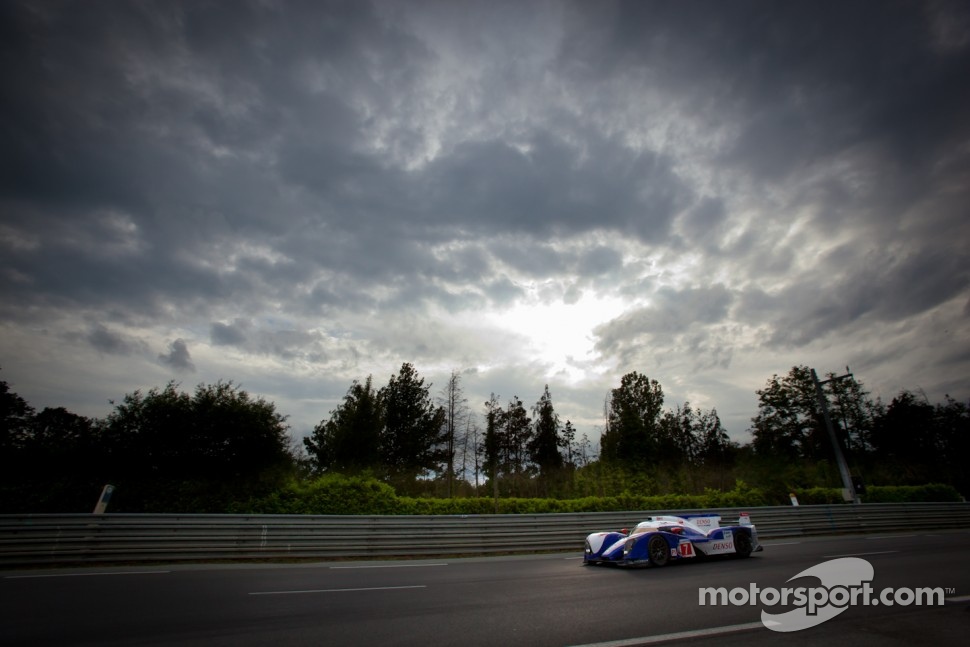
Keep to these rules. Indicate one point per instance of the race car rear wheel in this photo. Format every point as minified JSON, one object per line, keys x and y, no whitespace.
{"x":742,"y":544}
{"x":658,"y":551}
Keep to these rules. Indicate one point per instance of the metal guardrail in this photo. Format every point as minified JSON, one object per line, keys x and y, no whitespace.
{"x":71,"y":539}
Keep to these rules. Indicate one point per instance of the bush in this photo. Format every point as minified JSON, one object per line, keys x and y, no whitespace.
{"x":329,"y":494}
{"x":931,"y":493}
{"x":364,"y":495}
{"x":934,"y":492}
{"x":819,"y":496}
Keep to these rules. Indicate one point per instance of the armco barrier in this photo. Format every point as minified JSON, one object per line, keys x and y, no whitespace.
{"x":71,"y":539}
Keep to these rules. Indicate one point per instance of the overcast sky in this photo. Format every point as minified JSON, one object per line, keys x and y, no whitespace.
{"x":294,"y":195}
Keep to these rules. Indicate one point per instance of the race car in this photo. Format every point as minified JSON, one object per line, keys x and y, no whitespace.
{"x":658,"y":540}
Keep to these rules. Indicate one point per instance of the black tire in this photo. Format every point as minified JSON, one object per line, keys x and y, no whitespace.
{"x":658,"y":551}
{"x":743,"y":545}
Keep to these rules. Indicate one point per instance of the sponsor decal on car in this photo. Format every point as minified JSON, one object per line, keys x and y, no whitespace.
{"x":722,"y":546}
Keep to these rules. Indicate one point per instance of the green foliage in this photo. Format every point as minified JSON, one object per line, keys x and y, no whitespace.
{"x":15,"y":420}
{"x":218,"y":449}
{"x":789,"y":422}
{"x":633,"y":434}
{"x":412,"y":442}
{"x":169,"y":451}
{"x":396,"y":432}
{"x":934,"y":492}
{"x":817,"y":496}
{"x":350,"y":441}
{"x":339,"y":494}
{"x":545,"y":442}
{"x":49,"y":461}
{"x":328,"y":494}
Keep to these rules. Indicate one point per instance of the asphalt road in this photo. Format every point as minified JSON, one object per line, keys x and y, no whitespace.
{"x":522,"y":600}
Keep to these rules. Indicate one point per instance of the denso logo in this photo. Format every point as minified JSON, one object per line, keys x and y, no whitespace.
{"x":723,"y":545}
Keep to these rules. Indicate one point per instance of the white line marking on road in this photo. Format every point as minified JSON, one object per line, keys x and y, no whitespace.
{"x":878,"y":552}
{"x":373,"y":588}
{"x":959,"y":598}
{"x":387,"y":566}
{"x":29,"y":577}
{"x":890,"y":536}
{"x":784,"y":543}
{"x":680,"y":635}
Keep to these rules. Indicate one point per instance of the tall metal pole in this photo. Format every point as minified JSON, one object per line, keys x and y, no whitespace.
{"x":839,"y":458}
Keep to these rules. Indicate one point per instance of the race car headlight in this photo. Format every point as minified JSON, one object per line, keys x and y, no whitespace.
{"x":589,"y":549}
{"x":628,"y":546}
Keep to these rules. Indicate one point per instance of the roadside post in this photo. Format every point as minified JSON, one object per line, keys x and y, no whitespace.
{"x":104,"y":499}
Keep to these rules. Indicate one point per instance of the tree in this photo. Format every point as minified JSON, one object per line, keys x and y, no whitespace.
{"x":953,"y":427}
{"x":151,"y":436}
{"x":456,"y":417}
{"x":171,"y":451}
{"x":545,"y":443}
{"x":413,"y":439}
{"x":50,"y":461}
{"x":853,"y":414}
{"x":15,"y":420}
{"x":715,"y":446}
{"x":696,"y":437}
{"x":677,"y":442}
{"x":507,"y":433}
{"x":516,"y":432}
{"x":906,"y":431}
{"x":238,"y":436}
{"x":569,"y":444}
{"x":632,"y":434}
{"x":789,"y":423}
{"x":64,"y":443}
{"x":350,"y":441}
{"x":492,"y":443}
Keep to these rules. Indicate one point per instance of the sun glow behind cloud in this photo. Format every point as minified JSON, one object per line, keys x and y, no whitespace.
{"x":558,"y":334}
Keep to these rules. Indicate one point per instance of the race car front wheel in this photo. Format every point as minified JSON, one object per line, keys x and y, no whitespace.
{"x":658,"y":551}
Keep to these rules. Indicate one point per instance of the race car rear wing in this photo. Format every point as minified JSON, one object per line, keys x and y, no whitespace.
{"x":711,"y":521}
{"x":706,"y":522}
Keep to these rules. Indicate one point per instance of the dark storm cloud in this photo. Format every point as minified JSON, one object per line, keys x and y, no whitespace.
{"x":312,"y":182}
{"x":190,"y":121}
{"x":805,"y":79}
{"x":598,"y":261}
{"x":233,"y":334}
{"x":112,"y":342}
{"x":673,"y":312}
{"x":178,"y":357}
{"x":552,"y":189}
{"x":877,"y":287}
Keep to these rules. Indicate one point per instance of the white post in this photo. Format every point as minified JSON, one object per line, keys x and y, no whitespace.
{"x":104,"y":498}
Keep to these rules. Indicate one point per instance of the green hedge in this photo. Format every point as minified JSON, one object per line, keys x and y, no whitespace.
{"x":361,"y":495}
{"x":331,"y":494}
{"x":337,"y":494}
{"x":934,"y":492}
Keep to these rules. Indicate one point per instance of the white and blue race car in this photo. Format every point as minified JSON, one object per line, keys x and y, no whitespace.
{"x":658,"y":540}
